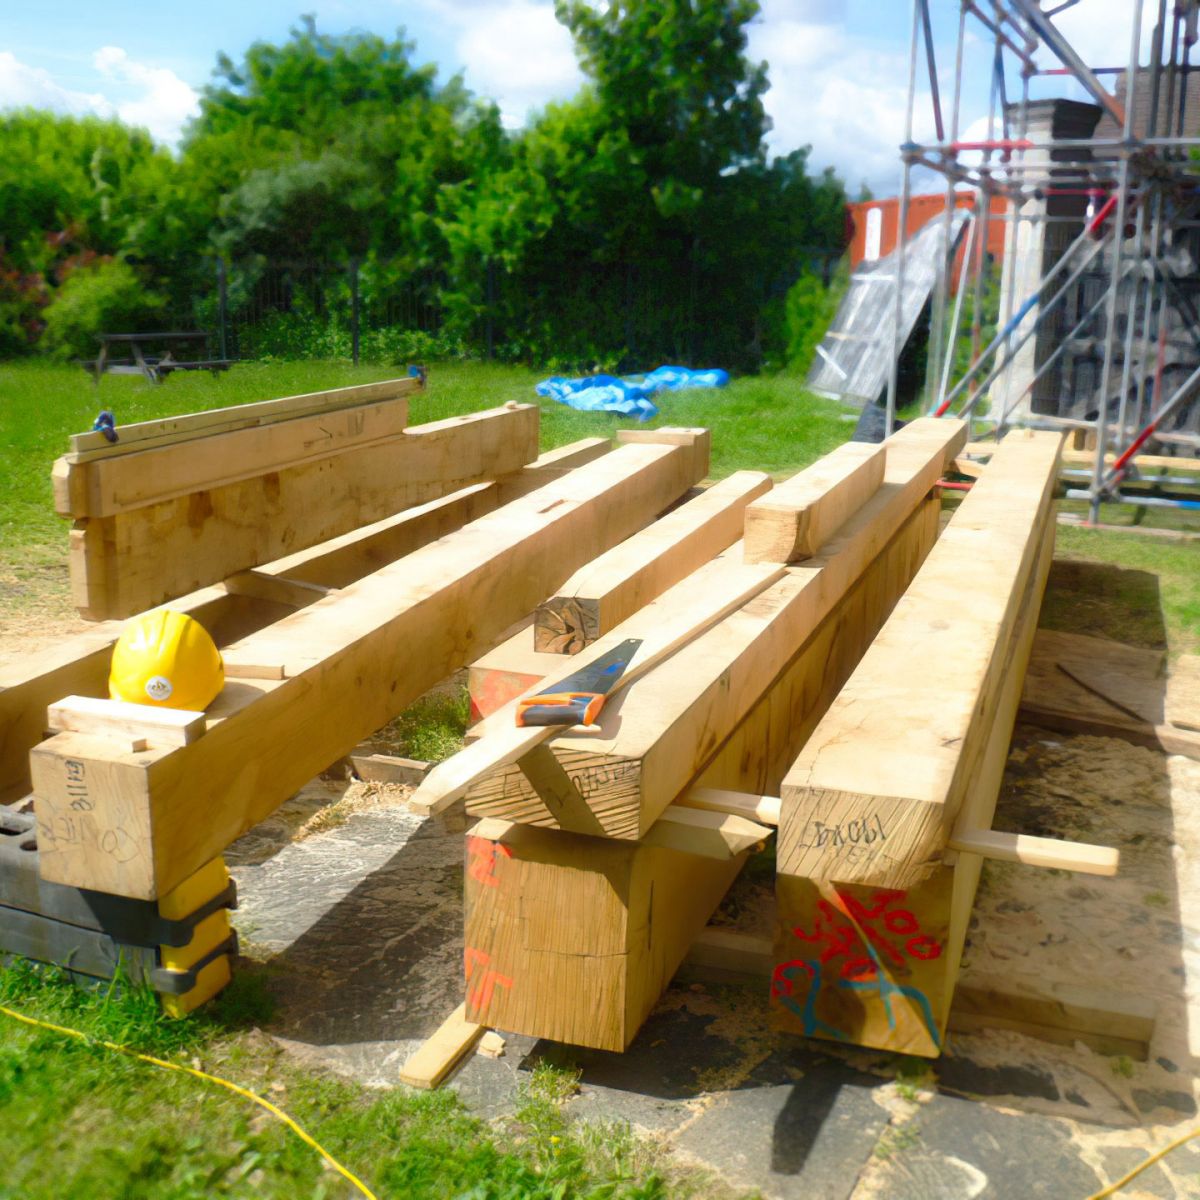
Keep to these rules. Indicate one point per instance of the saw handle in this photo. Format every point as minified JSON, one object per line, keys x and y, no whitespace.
{"x":560,"y":708}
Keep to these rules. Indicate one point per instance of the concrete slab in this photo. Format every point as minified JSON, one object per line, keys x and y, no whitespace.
{"x":958,"y":1149}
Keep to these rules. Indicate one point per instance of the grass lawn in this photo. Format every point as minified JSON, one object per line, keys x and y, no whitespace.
{"x":82,"y":1121}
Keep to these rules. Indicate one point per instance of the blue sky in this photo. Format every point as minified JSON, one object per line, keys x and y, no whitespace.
{"x":838,"y":67}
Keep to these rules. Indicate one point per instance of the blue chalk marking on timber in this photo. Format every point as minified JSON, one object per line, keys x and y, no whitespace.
{"x":812,"y":1023}
{"x":887,"y":989}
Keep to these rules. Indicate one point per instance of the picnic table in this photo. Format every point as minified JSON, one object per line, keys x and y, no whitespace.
{"x":154,"y":366}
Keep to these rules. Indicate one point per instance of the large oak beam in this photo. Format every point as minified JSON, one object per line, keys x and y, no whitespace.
{"x":574,"y":938}
{"x":130,"y":561}
{"x":871,"y":923}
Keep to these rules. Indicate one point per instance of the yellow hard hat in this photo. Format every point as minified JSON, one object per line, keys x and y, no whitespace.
{"x":167,"y":659}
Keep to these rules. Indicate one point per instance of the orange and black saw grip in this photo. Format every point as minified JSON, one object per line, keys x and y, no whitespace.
{"x":578,"y":699}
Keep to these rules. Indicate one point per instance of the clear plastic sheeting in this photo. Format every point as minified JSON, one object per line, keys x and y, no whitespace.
{"x":855,"y":356}
{"x":630,"y":395}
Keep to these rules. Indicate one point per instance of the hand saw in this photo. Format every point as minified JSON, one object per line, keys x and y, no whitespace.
{"x":578,"y":699}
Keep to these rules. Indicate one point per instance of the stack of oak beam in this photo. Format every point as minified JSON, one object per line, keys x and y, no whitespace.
{"x":835,"y":674}
{"x":446,"y":536}
{"x":601,"y":854}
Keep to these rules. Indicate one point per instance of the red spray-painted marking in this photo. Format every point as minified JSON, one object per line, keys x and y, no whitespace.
{"x":482,"y":854}
{"x":486,"y":981}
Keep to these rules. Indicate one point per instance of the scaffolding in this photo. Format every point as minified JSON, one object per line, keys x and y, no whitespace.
{"x":1100,"y":250}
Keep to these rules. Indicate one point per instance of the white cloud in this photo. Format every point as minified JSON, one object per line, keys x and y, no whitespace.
{"x":514,"y":52}
{"x":153,"y":97}
{"x":1099,"y":32}
{"x":161,"y":103}
{"x":23,"y":86}
{"x":835,"y":93}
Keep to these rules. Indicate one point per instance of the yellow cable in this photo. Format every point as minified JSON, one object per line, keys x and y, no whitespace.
{"x":307,"y":1138}
{"x":1113,"y":1188}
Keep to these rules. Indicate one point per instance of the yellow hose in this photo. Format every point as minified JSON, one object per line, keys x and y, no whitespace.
{"x":305,"y":1137}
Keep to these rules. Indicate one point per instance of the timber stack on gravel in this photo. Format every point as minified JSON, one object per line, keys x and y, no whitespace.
{"x":811,"y":655}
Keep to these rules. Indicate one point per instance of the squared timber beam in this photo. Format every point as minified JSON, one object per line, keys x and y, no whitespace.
{"x":574,"y":938}
{"x":349,"y":664}
{"x":871,"y":924}
{"x":802,"y":513}
{"x":597,"y":598}
{"x":698,"y":442}
{"x":132,"y":560}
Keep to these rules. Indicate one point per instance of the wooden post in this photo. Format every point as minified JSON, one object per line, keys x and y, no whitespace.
{"x":574,"y":938}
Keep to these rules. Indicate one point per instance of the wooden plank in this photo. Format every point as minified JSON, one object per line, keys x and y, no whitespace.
{"x":742,"y":804}
{"x":1087,"y":458}
{"x":1080,"y":684}
{"x":277,"y":589}
{"x":144,"y":435}
{"x":142,"y":723}
{"x":1112,"y":1023}
{"x":134,"y":560}
{"x":574,"y":938}
{"x":663,"y":626}
{"x":1037,"y":851}
{"x":597,"y":598}
{"x":802,"y":513}
{"x":351,"y":662}
{"x":667,"y":725}
{"x":388,"y":768}
{"x":123,"y":482}
{"x":717,"y":947}
{"x":442,"y":1051}
{"x":709,"y":834}
{"x":902,"y":755}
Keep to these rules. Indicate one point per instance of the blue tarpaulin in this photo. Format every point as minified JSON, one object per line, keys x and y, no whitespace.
{"x":631,"y":395}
